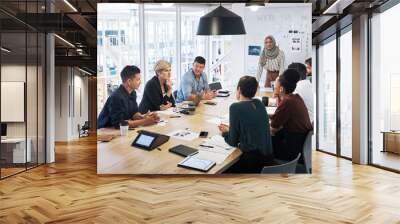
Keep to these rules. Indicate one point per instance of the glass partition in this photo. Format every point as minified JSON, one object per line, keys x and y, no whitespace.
{"x":327,"y":96}
{"x":22,"y":91}
{"x":385,"y":89}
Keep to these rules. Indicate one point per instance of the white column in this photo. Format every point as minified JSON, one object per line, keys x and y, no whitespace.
{"x":360,"y":90}
{"x":50,"y":99}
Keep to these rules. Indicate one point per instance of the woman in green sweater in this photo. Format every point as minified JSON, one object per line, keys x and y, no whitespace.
{"x":248,"y":129}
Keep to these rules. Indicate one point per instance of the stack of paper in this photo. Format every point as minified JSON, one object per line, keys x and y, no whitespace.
{"x":186,"y":135}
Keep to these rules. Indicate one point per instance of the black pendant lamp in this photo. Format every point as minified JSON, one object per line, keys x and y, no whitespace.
{"x":221,"y":21}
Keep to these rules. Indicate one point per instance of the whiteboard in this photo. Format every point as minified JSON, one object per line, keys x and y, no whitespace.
{"x":12,"y":101}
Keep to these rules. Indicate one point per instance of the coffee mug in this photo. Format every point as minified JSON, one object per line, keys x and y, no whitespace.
{"x":265,"y":100}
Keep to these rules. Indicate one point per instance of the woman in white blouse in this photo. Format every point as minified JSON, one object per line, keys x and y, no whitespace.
{"x":272,"y":59}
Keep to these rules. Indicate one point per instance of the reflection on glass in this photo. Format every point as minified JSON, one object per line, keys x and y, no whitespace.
{"x":13,"y":82}
{"x":31,"y":98}
{"x":346,"y":94}
{"x":327,"y":97}
{"x":385,"y":103}
{"x":220,"y":49}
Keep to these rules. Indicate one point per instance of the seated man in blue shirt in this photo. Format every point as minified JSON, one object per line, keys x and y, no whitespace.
{"x":194,"y":82}
{"x":122,"y":105}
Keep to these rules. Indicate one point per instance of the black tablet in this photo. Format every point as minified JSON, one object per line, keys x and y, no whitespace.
{"x":149,"y":140}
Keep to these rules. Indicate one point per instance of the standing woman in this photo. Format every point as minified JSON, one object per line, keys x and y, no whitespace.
{"x":157,"y":93}
{"x":272,"y":59}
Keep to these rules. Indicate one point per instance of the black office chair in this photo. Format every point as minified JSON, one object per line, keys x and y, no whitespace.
{"x":84,"y":130}
{"x":289,"y":167}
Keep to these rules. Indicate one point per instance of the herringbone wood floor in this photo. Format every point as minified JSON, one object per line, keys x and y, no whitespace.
{"x":69,"y":191}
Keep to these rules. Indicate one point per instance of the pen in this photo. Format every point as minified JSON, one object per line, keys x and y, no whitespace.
{"x":174,"y":116}
{"x":208,"y":146}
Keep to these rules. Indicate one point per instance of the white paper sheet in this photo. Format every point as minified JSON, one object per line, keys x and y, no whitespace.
{"x":219,"y":99}
{"x":186,"y":135}
{"x":219,"y":144}
{"x":270,"y":110}
{"x":218,"y":120}
{"x":266,"y":89}
{"x":169,"y":111}
{"x":162,"y":122}
{"x":213,"y":156}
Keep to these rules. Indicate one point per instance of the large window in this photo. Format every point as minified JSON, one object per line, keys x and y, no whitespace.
{"x":191,"y":44}
{"x":335,"y":137}
{"x":220,"y":48}
{"x":327,"y":96}
{"x":385,"y":84}
{"x":160,"y":38}
{"x":346,"y":93}
{"x":117,"y":45}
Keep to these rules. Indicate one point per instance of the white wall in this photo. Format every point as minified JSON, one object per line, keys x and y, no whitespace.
{"x":276,"y":20}
{"x":71,"y":102}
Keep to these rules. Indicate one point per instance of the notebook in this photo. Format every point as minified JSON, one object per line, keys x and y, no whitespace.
{"x":182,"y":150}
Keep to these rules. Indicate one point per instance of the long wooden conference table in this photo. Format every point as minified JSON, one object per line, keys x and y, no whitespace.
{"x":119,"y":157}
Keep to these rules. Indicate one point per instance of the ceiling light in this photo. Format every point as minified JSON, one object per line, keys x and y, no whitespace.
{"x":254,"y":6}
{"x":221,"y":21}
{"x":65,"y":41}
{"x":5,"y":50}
{"x":70,"y":5}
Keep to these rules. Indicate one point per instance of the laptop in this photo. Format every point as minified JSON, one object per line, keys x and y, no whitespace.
{"x":215,"y":86}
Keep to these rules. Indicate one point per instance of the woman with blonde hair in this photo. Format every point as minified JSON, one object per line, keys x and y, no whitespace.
{"x":157,"y":93}
{"x":272,"y":59}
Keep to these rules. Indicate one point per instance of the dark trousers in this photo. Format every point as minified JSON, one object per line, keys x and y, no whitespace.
{"x":271,"y":76}
{"x":251,"y":162}
{"x":288,"y":145}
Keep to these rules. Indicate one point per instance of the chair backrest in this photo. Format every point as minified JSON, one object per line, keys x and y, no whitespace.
{"x":86,"y":125}
{"x":307,"y":148}
{"x":289,"y":167}
{"x":175,"y":93}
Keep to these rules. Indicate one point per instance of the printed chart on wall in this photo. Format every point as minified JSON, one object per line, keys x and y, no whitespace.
{"x":292,"y":32}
